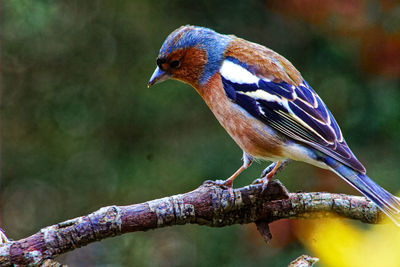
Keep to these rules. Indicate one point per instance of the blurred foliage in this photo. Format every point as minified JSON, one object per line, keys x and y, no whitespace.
{"x":338,"y":243}
{"x":80,"y":129}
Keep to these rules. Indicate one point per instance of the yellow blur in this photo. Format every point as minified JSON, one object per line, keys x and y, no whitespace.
{"x":337,"y":242}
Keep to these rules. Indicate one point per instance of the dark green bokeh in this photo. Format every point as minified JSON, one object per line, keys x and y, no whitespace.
{"x":80,"y":129}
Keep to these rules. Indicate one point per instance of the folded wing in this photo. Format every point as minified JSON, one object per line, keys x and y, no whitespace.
{"x":294,"y":110}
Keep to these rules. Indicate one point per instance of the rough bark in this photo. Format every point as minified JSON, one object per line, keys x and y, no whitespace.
{"x":304,"y":261}
{"x":207,"y":205}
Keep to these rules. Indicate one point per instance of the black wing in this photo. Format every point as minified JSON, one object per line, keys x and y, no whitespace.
{"x":296,"y":111}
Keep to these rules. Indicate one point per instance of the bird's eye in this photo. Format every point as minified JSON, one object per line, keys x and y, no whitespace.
{"x":160,"y":61}
{"x":174,"y":63}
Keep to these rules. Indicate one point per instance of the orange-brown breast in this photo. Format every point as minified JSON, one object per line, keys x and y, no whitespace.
{"x":267,"y":63}
{"x":248,"y":132}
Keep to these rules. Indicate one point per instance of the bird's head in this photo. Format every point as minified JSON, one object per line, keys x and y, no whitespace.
{"x":190,"y":54}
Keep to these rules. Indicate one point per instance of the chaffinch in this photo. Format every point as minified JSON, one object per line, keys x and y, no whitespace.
{"x":265,"y":105}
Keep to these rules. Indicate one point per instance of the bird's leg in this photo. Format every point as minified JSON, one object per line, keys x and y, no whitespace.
{"x":247,"y":160}
{"x":269,"y":172}
{"x":273,"y":169}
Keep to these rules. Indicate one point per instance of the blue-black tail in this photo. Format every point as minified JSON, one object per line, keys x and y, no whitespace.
{"x":388,"y":203}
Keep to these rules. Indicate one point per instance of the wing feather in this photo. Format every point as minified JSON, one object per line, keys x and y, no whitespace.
{"x":295,"y":111}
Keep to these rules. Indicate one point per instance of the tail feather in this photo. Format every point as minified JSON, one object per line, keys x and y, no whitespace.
{"x":388,"y":203}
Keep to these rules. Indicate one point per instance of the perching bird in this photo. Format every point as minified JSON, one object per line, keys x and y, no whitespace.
{"x":265,"y":105}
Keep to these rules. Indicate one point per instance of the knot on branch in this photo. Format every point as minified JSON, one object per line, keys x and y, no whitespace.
{"x":244,"y":207}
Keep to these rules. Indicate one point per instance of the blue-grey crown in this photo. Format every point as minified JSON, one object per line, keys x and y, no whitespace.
{"x":193,"y":36}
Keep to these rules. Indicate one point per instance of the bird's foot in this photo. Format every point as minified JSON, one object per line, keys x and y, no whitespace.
{"x":269,"y":173}
{"x":264,"y":181}
{"x":228,"y":183}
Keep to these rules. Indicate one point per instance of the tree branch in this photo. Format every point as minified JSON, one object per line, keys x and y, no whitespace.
{"x":207,"y":205}
{"x":304,"y":261}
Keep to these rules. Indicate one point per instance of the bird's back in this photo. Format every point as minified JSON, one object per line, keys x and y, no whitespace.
{"x":277,"y":95}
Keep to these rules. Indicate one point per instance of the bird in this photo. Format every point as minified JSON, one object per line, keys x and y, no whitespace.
{"x":266,"y":106}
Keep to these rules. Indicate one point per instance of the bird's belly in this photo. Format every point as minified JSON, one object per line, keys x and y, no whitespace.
{"x":296,"y":151}
{"x":261,"y":141}
{"x":253,"y":136}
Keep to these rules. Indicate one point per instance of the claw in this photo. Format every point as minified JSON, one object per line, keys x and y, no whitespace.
{"x":264,"y":181}
{"x":247,"y":160}
{"x":269,"y":173}
{"x":264,"y":186}
{"x":231,"y":194}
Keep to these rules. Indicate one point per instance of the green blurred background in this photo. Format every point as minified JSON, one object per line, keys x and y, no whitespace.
{"x":80,"y":129}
